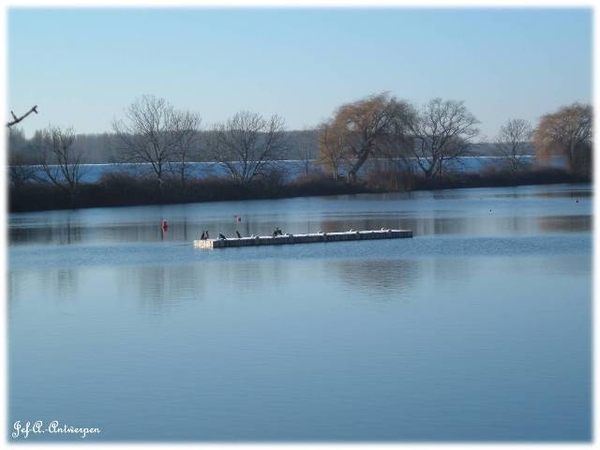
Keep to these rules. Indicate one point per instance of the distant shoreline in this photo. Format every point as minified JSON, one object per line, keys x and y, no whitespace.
{"x":121,"y":190}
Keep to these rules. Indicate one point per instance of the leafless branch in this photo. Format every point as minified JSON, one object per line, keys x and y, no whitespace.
{"x":441,"y":132}
{"x":247,"y":144}
{"x":153,"y":132}
{"x":16,"y":119}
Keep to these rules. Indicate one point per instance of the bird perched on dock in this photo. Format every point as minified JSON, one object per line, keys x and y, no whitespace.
{"x":222,"y":236}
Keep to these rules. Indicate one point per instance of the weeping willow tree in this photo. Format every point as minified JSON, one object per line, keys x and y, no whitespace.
{"x":361,"y":130}
{"x":332,"y":148}
{"x":568,"y":133}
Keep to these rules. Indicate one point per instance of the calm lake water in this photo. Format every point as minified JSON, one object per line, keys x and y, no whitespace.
{"x":291,"y":169}
{"x":477,"y":329}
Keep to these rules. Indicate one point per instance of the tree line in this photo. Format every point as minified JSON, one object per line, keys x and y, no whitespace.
{"x":393,"y":134}
{"x":442,"y":131}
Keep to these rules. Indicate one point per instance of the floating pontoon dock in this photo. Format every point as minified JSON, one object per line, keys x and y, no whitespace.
{"x":303,"y":238}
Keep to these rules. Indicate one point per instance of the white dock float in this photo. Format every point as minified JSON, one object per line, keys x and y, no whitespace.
{"x":308,"y":238}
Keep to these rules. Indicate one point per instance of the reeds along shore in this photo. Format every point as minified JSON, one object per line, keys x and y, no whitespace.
{"x":119,"y":189}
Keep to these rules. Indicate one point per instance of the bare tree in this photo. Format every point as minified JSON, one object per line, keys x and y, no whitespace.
{"x":567,"y":132}
{"x":153,"y":132}
{"x":60,"y":161}
{"x":185,"y":140}
{"x":248,"y":145}
{"x":16,"y":119}
{"x":21,"y":168}
{"x":361,"y":129}
{"x":441,"y":132}
{"x":513,"y":142}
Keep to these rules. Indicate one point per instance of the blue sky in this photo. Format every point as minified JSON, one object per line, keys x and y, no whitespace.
{"x":83,"y":67}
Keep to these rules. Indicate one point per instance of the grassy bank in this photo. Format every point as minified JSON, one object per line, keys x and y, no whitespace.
{"x":121,"y":189}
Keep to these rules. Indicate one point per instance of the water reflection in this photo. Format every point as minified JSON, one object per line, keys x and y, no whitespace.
{"x":492,"y":225}
{"x":572,"y":192}
{"x":389,"y":280}
{"x":67,"y":283}
{"x":74,"y":232}
{"x":476,"y":211}
{"x":17,"y":288}
{"x":65,"y":231}
{"x":251,"y":276}
{"x":158,"y":289}
{"x":480,"y":316}
{"x":184,"y":231}
{"x":56,"y":285}
{"x":565,"y":223}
